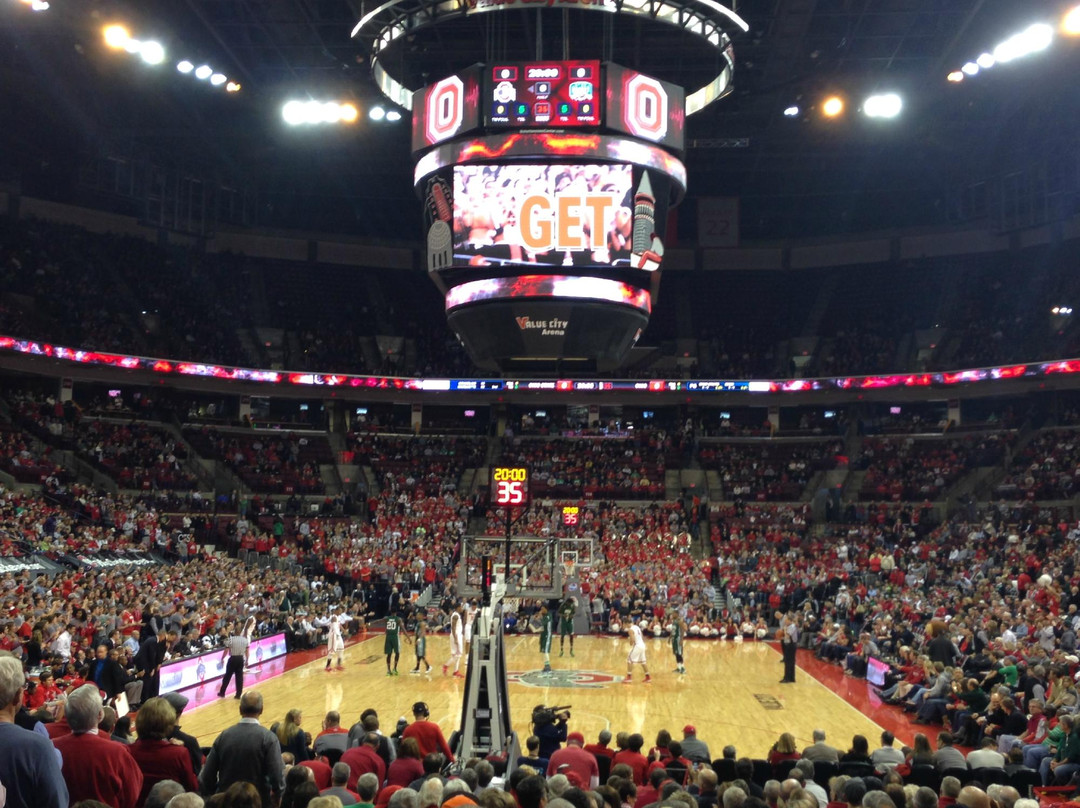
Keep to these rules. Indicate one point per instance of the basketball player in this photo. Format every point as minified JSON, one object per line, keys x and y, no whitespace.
{"x":421,"y":645}
{"x":335,"y":644}
{"x":678,"y":631}
{"x":457,"y":642}
{"x":470,"y":615}
{"x":567,"y":610}
{"x":637,"y":654}
{"x":546,"y":630}
{"x":392,"y":641}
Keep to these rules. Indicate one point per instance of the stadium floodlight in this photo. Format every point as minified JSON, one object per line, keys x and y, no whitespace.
{"x":152,"y":52}
{"x":349,"y":113}
{"x":985,"y":61}
{"x":116,"y":36}
{"x":956,"y":76}
{"x":791,"y":112}
{"x":203,"y":72}
{"x":232,"y":87}
{"x":971,"y":68}
{"x":393,"y":116}
{"x":294,"y":113}
{"x":218,"y":79}
{"x":1070,"y":23}
{"x":39,"y":5}
{"x":185,"y":67}
{"x":833,"y":106}
{"x":1061,"y":311}
{"x":886,"y":105}
{"x":377,"y":113}
{"x":1031,"y":40}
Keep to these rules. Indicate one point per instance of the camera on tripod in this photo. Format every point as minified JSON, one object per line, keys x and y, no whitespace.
{"x":543,"y":715}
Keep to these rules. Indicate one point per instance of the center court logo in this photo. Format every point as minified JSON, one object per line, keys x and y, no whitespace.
{"x":587,"y":679}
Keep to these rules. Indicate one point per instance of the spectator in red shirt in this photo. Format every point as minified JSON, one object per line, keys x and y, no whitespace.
{"x":363,"y":759}
{"x":602,"y":748}
{"x":427,"y":733}
{"x":96,"y":767}
{"x":633,"y":758}
{"x":573,"y":758}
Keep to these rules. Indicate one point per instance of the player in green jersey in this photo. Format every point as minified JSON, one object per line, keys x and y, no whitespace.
{"x":392,"y":642}
{"x":678,"y":631}
{"x":567,"y":610}
{"x":546,"y":630}
{"x":421,"y":645}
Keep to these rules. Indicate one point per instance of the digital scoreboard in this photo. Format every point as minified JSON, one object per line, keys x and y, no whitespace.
{"x":571,"y":514}
{"x":545,"y":94}
{"x":509,"y":486}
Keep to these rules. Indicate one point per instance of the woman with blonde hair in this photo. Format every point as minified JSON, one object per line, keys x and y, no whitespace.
{"x":292,"y":738}
{"x":783,"y":749}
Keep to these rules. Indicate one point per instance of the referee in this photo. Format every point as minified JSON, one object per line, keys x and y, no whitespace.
{"x":236,"y":650}
{"x":789,"y":641}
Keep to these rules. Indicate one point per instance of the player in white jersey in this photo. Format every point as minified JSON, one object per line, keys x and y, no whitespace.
{"x":470,"y":616}
{"x":637,"y":654}
{"x":457,"y":643}
{"x":335,"y":643}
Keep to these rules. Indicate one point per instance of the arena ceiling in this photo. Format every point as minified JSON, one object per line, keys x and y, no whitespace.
{"x":795,"y":176}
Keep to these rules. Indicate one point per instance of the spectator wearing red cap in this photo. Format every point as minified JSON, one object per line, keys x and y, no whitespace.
{"x":574,"y":758}
{"x":694,"y":750}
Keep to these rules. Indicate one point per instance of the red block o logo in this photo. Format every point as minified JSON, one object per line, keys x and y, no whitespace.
{"x":645,"y":111}
{"x":445,"y":109}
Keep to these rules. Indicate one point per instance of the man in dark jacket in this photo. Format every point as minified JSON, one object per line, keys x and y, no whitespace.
{"x":245,"y":752}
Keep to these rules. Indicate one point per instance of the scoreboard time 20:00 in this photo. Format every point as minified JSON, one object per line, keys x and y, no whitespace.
{"x":509,"y":485}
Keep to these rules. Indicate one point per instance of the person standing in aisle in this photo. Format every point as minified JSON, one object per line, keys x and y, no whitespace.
{"x":236,"y":650}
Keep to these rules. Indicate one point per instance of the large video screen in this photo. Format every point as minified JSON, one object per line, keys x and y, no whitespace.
{"x":543,"y":94}
{"x":446,"y":109}
{"x":553,"y":215}
{"x":645,"y":107}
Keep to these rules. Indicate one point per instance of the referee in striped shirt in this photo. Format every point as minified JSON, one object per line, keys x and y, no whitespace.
{"x":236,"y":650}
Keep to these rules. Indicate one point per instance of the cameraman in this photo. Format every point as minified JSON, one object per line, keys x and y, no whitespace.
{"x":549,"y":725}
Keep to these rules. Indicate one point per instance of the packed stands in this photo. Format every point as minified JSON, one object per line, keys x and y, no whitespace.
{"x":773,"y":471}
{"x":913,"y":469}
{"x":267,"y":462}
{"x":600,"y":468}
{"x":1046,"y":468}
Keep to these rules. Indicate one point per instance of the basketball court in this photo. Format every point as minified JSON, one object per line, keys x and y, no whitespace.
{"x":731,"y":692}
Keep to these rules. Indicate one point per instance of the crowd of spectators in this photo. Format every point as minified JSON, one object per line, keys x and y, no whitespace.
{"x":911,"y":469}
{"x":1045,"y":468}
{"x":267,"y":462}
{"x":600,"y":468}
{"x":768,"y":470}
{"x":434,"y":463}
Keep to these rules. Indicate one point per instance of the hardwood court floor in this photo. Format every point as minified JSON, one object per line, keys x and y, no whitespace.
{"x":731,"y":693}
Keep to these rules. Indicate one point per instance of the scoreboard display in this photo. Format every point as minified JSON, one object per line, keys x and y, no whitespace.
{"x":509,"y":486}
{"x":555,"y":94}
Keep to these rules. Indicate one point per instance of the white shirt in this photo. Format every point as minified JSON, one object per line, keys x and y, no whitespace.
{"x":636,"y":636}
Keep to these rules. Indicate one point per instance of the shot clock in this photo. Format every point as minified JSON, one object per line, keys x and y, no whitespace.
{"x":509,"y":486}
{"x":570,"y":515}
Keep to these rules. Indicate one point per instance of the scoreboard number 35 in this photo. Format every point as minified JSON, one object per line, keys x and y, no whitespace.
{"x":509,"y":485}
